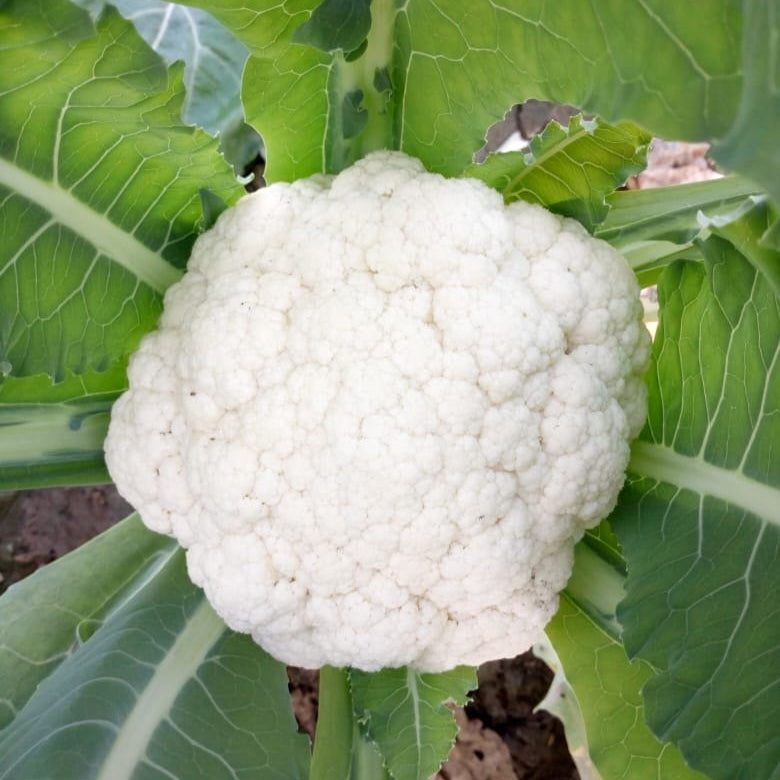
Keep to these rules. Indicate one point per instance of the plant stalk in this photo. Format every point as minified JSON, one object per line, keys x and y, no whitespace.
{"x":340,"y":750}
{"x":596,"y":587}
{"x":363,"y":76}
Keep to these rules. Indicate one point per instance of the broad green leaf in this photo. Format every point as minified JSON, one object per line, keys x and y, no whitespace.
{"x":41,"y":615}
{"x":213,"y":58}
{"x":461,"y":65}
{"x":321,"y":106}
{"x":601,"y":705}
{"x":743,"y":227}
{"x":607,"y":702}
{"x":670,"y":213}
{"x":699,"y":519}
{"x":336,"y":24}
{"x":212,"y":206}
{"x":404,"y":712}
{"x":654,"y":227}
{"x":569,"y":170}
{"x":286,"y":98}
{"x":152,"y":684}
{"x":213,"y":64}
{"x":771,"y":238}
{"x":561,"y":701}
{"x":454,"y":68}
{"x":98,"y":185}
{"x":317,"y":112}
{"x":745,"y":147}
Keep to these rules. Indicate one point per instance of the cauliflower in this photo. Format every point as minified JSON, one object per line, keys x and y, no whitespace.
{"x":379,"y":411}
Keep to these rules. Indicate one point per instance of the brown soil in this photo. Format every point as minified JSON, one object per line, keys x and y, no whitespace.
{"x":39,"y":526}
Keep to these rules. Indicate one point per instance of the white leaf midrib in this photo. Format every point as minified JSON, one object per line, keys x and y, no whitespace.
{"x":180,"y":664}
{"x":694,"y":473}
{"x":110,"y":240}
{"x":411,"y":682}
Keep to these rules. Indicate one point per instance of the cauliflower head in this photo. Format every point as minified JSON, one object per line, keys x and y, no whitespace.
{"x":379,"y":410}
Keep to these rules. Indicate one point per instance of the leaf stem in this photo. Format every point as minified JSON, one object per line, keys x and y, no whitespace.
{"x":340,"y":750}
{"x":363,"y":77}
{"x":367,"y":763}
{"x":332,"y":755}
{"x":596,"y":587}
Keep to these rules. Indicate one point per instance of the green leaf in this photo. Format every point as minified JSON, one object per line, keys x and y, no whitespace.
{"x":342,"y":96}
{"x":296,"y":94}
{"x":55,"y":444}
{"x":654,"y":227}
{"x":670,"y":213}
{"x":569,"y":170}
{"x":292,"y":83}
{"x":284,"y":88}
{"x":698,"y":520}
{"x":213,"y":58}
{"x":744,"y":228}
{"x":461,"y":66}
{"x":336,"y":24}
{"x":98,"y":180}
{"x":405,"y":713}
{"x":212,"y":206}
{"x":602,"y":709}
{"x":596,"y":692}
{"x":149,"y":684}
{"x":52,"y":434}
{"x":745,"y":147}
{"x":455,"y":68}
{"x":40,"y":616}
{"x":213,"y":64}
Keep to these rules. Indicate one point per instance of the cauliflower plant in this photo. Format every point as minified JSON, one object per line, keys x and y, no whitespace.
{"x":379,"y":411}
